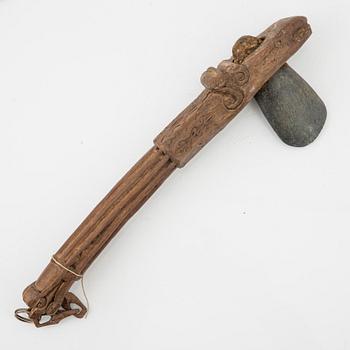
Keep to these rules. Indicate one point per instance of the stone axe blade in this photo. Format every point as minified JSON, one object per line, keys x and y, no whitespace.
{"x":292,"y":107}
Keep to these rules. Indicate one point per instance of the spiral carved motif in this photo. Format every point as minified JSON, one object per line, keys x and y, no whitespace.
{"x":227,"y":80}
{"x":208,"y":114}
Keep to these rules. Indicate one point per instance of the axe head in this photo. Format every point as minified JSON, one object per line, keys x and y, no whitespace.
{"x":292,"y":107}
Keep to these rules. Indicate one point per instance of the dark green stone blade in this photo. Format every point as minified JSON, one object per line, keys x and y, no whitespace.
{"x":292,"y":107}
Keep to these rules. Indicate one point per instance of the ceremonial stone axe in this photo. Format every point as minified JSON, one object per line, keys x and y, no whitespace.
{"x":257,"y":69}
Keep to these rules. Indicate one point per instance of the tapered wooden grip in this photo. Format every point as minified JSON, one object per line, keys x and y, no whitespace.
{"x":51,"y":289}
{"x":229,"y":88}
{"x":115,"y":209}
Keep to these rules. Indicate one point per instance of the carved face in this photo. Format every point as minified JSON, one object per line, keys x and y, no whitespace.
{"x":55,"y":302}
{"x":244,"y":46}
{"x":38,"y":302}
{"x":213,"y":78}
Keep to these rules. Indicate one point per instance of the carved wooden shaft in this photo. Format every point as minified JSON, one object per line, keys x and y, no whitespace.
{"x":114,"y":210}
{"x":89,"y":239}
{"x":228,"y":88}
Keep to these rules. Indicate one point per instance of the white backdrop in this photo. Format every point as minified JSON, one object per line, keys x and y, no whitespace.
{"x":247,"y":247}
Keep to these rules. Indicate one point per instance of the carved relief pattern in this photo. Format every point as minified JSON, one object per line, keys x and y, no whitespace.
{"x":283,"y":40}
{"x":227,"y":80}
{"x":208,"y":114}
{"x":301,"y":33}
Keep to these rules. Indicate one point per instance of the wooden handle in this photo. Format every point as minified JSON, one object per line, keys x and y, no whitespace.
{"x":93,"y":234}
{"x":228,"y":88}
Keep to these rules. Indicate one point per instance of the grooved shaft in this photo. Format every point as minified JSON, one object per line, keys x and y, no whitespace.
{"x":126,"y":197}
